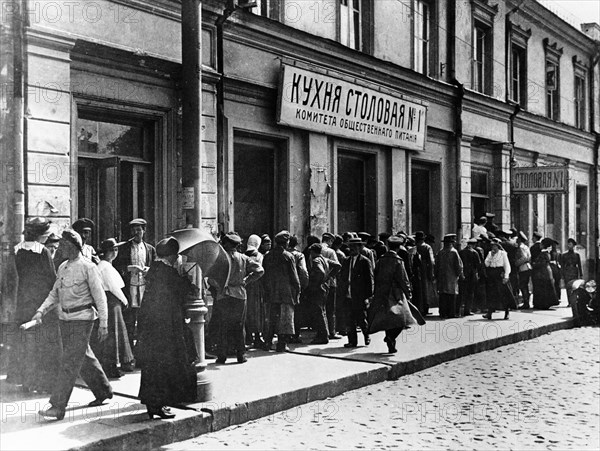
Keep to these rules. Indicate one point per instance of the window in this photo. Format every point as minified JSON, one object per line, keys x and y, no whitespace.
{"x":350,"y":24}
{"x":480,"y":195}
{"x":553,"y":55}
{"x":579,"y":101}
{"x":518,"y":91}
{"x":518,"y":64}
{"x":267,"y":8}
{"x":482,"y":59}
{"x":483,"y":43}
{"x":421,"y":36}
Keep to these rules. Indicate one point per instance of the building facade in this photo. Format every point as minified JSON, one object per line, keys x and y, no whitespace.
{"x":316,"y":115}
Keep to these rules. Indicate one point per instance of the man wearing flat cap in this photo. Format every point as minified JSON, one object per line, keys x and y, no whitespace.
{"x":449,"y":269}
{"x":79,"y":296}
{"x":282,"y":286}
{"x":331,"y":304}
{"x":133,"y":262}
{"x":230,"y":305}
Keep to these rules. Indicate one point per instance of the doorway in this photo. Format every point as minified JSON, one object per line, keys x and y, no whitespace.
{"x":425,"y":196}
{"x":259,"y":186}
{"x":356,"y":188}
{"x":115,"y":174}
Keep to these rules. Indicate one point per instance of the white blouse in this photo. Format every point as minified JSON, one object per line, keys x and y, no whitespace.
{"x":498,"y":260}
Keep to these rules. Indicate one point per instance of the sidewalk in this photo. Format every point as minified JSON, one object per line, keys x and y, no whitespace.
{"x":268,"y":383}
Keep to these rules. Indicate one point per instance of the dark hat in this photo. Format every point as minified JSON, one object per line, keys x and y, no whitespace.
{"x":513,"y":231}
{"x":536,"y":234}
{"x":167,"y":246}
{"x":316,"y":247}
{"x":496,"y":241}
{"x":364,"y":236}
{"x":356,"y":240}
{"x":327,"y":236}
{"x":472,"y":241}
{"x":482,"y":220}
{"x":523,"y":237}
{"x":311,"y":239}
{"x":52,"y":238}
{"x":449,"y":238}
{"x":234,"y":238}
{"x":572,"y":240}
{"x":107,"y":245}
{"x":138,"y":222}
{"x":394,"y":240}
{"x":547,"y":242}
{"x":346,"y":235}
{"x":383,"y":236}
{"x":83,"y":223}
{"x":420,"y":235}
{"x":491,"y":236}
{"x":293,"y":241}
{"x":282,"y":237}
{"x":38,"y":225}
{"x":410,"y":241}
{"x":483,"y":239}
{"x":402,"y":237}
{"x":265,"y":238}
{"x":73,"y":237}
{"x":490,"y":215}
{"x":338,"y":239}
{"x":429,"y":238}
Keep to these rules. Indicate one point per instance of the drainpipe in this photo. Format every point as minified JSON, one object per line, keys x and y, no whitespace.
{"x":512,"y":160}
{"x":595,"y":181}
{"x":458,"y":127}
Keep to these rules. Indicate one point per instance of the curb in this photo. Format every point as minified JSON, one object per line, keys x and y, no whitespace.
{"x":152,"y":435}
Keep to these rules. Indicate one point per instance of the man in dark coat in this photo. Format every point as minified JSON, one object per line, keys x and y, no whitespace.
{"x":490,"y":225}
{"x":133,"y":261}
{"x":330,"y":306}
{"x":571,"y":264}
{"x":282,"y":285}
{"x":449,"y":269}
{"x":428,"y":264}
{"x":392,"y":281}
{"x":168,"y":373}
{"x":356,"y":287}
{"x":472,"y":264}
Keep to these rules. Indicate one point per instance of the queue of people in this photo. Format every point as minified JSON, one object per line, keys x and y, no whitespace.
{"x":108,"y":310}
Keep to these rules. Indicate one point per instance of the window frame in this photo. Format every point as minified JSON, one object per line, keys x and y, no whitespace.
{"x":483,"y":15}
{"x":519,"y":38}
{"x":553,"y":54}
{"x":421,"y":45}
{"x":365,"y":26}
{"x":580,"y":73}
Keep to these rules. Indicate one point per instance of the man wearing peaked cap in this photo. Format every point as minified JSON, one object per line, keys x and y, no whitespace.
{"x":449,"y":268}
{"x":282,"y":286}
{"x":84,"y":227}
{"x":490,"y":226}
{"x":331,"y":302}
{"x":133,"y":262}
{"x":230,"y":305}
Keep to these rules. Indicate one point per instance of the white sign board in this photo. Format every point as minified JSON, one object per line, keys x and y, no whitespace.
{"x":324,"y":104}
{"x":541,"y":179}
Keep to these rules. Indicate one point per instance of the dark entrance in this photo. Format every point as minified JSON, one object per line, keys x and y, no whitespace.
{"x":425,"y":205}
{"x":356,"y":199}
{"x":115,"y":174}
{"x":259,"y":187}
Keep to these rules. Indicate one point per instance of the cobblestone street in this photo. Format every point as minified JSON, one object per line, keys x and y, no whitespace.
{"x":538,"y":394}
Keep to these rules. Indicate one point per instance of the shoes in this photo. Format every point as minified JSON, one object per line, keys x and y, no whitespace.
{"x":267,"y":346}
{"x":282,"y":348}
{"x":258,"y":343}
{"x":506,"y":315}
{"x":350,"y":345}
{"x":99,"y":401}
{"x":161,"y":412}
{"x":468,"y":314}
{"x":295,"y":340}
{"x":320,"y":341}
{"x":391,"y":344}
{"x":367,"y":340}
{"x":241,"y":357}
{"x":113,"y":374}
{"x":334,"y":337}
{"x":525,"y":307}
{"x":128,"y":367}
{"x":53,"y":412}
{"x":221,"y":360}
{"x":487,"y":316}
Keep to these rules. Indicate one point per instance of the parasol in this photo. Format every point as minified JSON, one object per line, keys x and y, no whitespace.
{"x":201,"y":248}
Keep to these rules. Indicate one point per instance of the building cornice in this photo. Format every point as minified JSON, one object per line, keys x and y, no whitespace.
{"x":544,"y":126}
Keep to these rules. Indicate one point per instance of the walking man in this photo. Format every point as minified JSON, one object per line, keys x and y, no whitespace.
{"x":80,"y":298}
{"x":356,"y":284}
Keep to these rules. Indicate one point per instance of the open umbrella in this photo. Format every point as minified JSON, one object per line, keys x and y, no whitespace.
{"x":201,"y":248}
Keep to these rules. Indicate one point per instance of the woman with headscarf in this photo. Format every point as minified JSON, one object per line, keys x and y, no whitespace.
{"x":255,"y":316}
{"x":544,"y":292}
{"x":115,"y":349}
{"x":168,"y":373}
{"x":34,"y":355}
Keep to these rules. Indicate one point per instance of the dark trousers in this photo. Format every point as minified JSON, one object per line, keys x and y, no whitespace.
{"x":317,"y":318}
{"x":78,"y":358}
{"x":356,"y":316}
{"x":447,"y":305}
{"x":231,"y":331}
{"x":466,"y":288}
{"x":130,"y":317}
{"x":330,"y":310}
{"x":524,"y":277}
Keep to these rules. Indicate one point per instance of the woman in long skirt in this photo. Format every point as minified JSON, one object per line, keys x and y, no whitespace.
{"x":498,"y":288}
{"x":255,"y":313}
{"x":544,"y":291}
{"x":34,"y":354}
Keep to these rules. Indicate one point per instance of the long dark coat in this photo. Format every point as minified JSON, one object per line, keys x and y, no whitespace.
{"x":168,"y":376}
{"x":280,"y":280}
{"x":361,"y":281}
{"x":544,"y":293}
